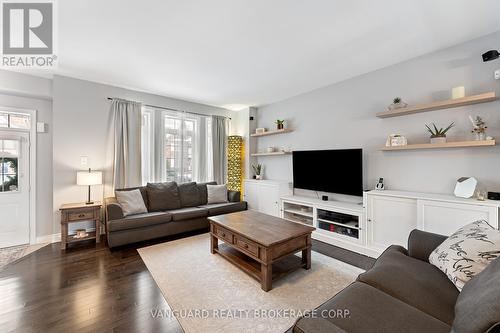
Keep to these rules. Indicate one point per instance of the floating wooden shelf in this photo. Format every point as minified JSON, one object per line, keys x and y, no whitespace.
{"x":451,"y":103}
{"x":456,"y":144}
{"x":276,"y":153}
{"x":286,"y":130}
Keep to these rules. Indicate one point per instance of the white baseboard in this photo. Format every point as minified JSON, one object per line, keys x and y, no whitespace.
{"x":49,"y":238}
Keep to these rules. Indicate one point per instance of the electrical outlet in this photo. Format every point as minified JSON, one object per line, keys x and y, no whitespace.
{"x":84,"y":160}
{"x":497,"y":74}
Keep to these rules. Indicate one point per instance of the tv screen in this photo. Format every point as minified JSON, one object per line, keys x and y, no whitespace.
{"x":334,"y":171}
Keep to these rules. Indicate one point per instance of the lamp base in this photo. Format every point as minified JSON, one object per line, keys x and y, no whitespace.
{"x":89,"y":203}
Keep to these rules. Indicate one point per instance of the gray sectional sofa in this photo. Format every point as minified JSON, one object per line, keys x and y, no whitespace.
{"x":403,"y":292}
{"x":172,"y":209}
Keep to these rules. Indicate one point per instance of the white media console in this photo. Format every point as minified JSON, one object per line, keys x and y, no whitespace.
{"x":384,"y":217}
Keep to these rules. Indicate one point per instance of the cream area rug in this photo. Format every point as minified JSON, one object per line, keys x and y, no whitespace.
{"x":11,"y":254}
{"x":208,"y":294}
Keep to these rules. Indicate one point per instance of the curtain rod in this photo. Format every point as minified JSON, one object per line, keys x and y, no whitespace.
{"x":170,"y":109}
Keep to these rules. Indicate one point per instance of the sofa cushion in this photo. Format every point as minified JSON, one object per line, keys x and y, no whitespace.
{"x":202,"y":188}
{"x":225,"y":208}
{"x":131,"y":202}
{"x":216,"y":194}
{"x":143,"y":190}
{"x":188,"y":213}
{"x":414,"y":282}
{"x":363,"y":308}
{"x":467,"y":252}
{"x":163,"y":196}
{"x":478,"y":306}
{"x":139,"y":221}
{"x":189,"y":195}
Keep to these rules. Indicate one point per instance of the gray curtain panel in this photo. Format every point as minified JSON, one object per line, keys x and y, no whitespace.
{"x":127,"y":152}
{"x":219,"y":146}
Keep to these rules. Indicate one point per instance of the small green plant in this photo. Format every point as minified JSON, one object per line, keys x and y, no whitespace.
{"x":257,"y":168}
{"x":439,"y":133}
{"x":280,"y":122}
{"x":396,"y":100}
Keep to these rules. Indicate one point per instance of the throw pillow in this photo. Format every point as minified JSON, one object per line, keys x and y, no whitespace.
{"x":189,"y":194}
{"x":163,"y":196}
{"x":477,"y":308}
{"x":202,"y":188}
{"x":216,"y":194}
{"x":467,"y":252}
{"x":131,"y":202}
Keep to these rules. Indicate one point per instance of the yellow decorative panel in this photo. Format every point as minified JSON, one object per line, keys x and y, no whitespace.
{"x":234,"y":162}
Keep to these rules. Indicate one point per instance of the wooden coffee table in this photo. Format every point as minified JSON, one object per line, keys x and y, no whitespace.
{"x":261,"y":245}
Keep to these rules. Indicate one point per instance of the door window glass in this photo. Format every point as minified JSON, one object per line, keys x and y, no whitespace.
{"x":9,"y":165}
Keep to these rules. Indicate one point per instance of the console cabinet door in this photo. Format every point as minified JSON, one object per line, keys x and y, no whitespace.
{"x":390,"y":221}
{"x":251,"y":196}
{"x":446,"y":217}
{"x":269,"y":198}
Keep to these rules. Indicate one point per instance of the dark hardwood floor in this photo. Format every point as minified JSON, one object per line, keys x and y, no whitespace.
{"x":89,"y":288}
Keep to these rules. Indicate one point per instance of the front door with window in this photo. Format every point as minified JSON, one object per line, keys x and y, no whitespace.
{"x":14,"y":188}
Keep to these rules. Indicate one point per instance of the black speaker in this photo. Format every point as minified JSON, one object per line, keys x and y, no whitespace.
{"x":494,"y":195}
{"x":490,"y":55}
{"x":324,"y":198}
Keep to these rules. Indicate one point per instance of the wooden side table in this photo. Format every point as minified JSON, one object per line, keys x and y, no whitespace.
{"x":79,"y":212}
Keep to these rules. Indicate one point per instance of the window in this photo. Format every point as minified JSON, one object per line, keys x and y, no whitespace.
{"x":9,"y":160}
{"x":175,"y":146}
{"x":14,"y":120}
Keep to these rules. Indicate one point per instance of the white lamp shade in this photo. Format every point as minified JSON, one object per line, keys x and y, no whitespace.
{"x":89,"y":178}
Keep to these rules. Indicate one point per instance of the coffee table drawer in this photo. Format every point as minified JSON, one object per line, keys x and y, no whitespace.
{"x":246,"y":245}
{"x":227,"y":236}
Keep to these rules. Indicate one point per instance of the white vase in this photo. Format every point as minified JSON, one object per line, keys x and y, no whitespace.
{"x":439,"y":139}
{"x":479,"y":136}
{"x":258,"y":177}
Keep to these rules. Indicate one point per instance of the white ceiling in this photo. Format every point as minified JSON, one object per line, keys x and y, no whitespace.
{"x":255,"y":52}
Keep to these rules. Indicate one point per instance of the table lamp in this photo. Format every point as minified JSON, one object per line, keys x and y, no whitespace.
{"x":89,"y":178}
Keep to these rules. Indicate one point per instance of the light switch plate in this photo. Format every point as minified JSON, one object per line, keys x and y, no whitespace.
{"x":41,"y":127}
{"x":84,"y":161}
{"x":497,"y":74}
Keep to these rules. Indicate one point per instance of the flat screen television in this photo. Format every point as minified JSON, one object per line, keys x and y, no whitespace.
{"x":334,"y":171}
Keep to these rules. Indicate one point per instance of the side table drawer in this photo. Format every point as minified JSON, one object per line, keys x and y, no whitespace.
{"x":246,"y":245}
{"x":82,"y":215}
{"x":227,"y":236}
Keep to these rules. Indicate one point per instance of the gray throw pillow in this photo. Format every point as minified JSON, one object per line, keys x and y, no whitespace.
{"x":478,"y":305}
{"x":202,"y":188}
{"x":467,"y":252}
{"x":216,"y":194}
{"x":189,"y":194}
{"x":131,"y":202}
{"x":163,"y":196}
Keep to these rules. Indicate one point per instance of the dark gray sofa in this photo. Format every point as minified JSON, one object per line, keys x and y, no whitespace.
{"x":187,"y":211}
{"x":402,"y":292}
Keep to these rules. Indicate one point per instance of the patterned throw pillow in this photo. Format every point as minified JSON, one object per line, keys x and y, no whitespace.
{"x":467,"y":252}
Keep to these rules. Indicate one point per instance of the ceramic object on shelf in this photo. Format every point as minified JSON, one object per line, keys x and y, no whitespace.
{"x":270,"y":149}
{"x":438,"y":139}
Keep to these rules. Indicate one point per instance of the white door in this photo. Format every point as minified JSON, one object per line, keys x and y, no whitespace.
{"x":390,"y":221}
{"x":251,"y":190}
{"x":269,"y":200}
{"x":445,"y":217}
{"x":14,"y":188}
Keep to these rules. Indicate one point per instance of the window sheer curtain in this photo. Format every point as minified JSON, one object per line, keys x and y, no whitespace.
{"x":176,"y":146}
{"x":219,"y":148}
{"x":127,"y":143}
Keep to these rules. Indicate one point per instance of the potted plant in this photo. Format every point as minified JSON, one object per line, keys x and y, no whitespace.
{"x":397,"y":103}
{"x":438,"y":135}
{"x":257,"y":168}
{"x":479,"y":128}
{"x":280,"y":124}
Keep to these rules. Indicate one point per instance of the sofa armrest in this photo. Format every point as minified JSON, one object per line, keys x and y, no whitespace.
{"x":422,"y":243}
{"x":316,"y":325}
{"x":113,"y":209}
{"x":233,"y":196}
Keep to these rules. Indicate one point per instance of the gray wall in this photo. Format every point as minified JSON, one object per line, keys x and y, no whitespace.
{"x":82,"y":127}
{"x":343,"y":116}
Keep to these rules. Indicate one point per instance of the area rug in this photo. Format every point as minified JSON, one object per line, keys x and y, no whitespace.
{"x":13,"y":253}
{"x":207,"y":294}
